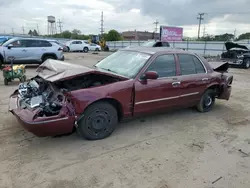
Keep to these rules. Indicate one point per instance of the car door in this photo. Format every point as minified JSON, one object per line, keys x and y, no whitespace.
{"x":39,"y":48}
{"x":73,"y":46}
{"x":16,"y":49}
{"x":193,"y":78}
{"x":151,"y":95}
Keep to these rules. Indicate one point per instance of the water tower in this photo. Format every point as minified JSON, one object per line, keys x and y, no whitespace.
{"x":51,"y":25}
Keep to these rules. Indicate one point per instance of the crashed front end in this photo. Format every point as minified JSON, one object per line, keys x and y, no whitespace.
{"x":42,"y":109}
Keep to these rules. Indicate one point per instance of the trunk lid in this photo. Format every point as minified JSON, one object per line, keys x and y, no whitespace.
{"x":219,"y":66}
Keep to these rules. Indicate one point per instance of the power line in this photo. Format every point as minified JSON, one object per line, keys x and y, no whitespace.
{"x":156,"y":26}
{"x":200,"y":18}
{"x":102,"y":28}
{"x":60,"y":25}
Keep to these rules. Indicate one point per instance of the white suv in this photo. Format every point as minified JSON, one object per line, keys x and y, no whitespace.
{"x":77,"y":45}
{"x":30,"y":50}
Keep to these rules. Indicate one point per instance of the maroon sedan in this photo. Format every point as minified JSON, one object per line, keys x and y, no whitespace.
{"x":126,"y":84}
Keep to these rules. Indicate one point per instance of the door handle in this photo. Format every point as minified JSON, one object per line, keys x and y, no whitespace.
{"x":204,"y":79}
{"x":176,"y":83}
{"x":24,"y":50}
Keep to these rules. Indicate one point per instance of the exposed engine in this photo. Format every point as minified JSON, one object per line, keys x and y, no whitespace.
{"x":39,"y":94}
{"x":49,"y":97}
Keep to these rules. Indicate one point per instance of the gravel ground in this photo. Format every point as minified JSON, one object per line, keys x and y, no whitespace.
{"x":178,"y":149}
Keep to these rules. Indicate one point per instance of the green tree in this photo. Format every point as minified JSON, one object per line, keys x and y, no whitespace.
{"x":244,"y":36}
{"x":113,"y":35}
{"x":30,"y":33}
{"x":224,"y":37}
{"x":35,"y":33}
{"x":66,"y":34}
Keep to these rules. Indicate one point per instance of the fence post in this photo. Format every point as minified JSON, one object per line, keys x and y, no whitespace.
{"x":187,"y":44}
{"x":122,"y":44}
{"x":130,"y":43}
{"x":115,"y":45}
{"x":173,"y":44}
{"x":205,"y":48}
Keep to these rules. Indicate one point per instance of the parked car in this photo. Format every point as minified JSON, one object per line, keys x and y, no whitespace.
{"x":30,"y":50}
{"x":237,"y":55}
{"x":129,"y":83}
{"x":60,"y":44}
{"x":153,"y":43}
{"x":77,"y":45}
{"x":94,"y":47}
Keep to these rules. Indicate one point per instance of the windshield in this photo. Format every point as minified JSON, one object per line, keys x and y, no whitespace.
{"x":124,"y":63}
{"x":3,"y":40}
{"x":148,"y":44}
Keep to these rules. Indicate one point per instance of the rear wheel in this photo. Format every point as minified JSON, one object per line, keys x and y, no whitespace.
{"x":85,"y":49}
{"x":246,"y":63}
{"x":48,"y":57}
{"x":98,"y":122}
{"x":6,"y":81}
{"x":207,"y":101}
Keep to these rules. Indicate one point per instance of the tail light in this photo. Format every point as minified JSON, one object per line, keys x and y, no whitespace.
{"x":60,"y":49}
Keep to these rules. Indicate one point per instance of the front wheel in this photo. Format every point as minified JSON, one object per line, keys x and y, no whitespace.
{"x":48,"y":57}
{"x":207,"y":101}
{"x":98,"y":121}
{"x":246,"y":63}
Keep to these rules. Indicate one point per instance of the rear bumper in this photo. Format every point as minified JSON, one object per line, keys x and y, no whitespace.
{"x":41,"y":126}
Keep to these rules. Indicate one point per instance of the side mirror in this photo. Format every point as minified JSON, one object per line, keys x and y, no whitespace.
{"x":10,"y":46}
{"x":152,"y":75}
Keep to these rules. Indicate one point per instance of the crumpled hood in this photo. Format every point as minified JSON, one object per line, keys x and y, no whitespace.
{"x":54,"y":70}
{"x":230,"y":45}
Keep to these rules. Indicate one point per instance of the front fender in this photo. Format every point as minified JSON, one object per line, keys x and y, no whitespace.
{"x":119,"y":91}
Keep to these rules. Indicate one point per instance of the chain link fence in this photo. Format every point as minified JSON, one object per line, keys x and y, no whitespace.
{"x":205,"y":48}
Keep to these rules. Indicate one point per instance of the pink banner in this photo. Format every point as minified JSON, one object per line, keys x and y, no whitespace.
{"x":171,"y":33}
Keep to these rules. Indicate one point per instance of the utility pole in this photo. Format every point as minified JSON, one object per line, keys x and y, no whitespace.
{"x":60,"y":25}
{"x":234,"y":34}
{"x":156,"y":26}
{"x":102,"y":28}
{"x":23,"y":29}
{"x":37,"y":29}
{"x":200,"y":17}
{"x":204,"y":31}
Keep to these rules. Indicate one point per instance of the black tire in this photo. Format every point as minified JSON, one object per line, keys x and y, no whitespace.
{"x":207,"y":101}
{"x":246,"y":63}
{"x":98,"y":122}
{"x":6,"y":82}
{"x":48,"y":57}
{"x":1,"y":63}
{"x":85,"y":49}
{"x":68,"y":49}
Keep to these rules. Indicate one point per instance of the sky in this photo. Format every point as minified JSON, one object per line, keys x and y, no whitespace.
{"x":220,"y":16}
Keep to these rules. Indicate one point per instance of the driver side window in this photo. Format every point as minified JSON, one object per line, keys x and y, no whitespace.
{"x":164,"y":65}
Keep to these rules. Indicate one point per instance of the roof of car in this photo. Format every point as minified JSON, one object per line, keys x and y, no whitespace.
{"x":154,"y":50}
{"x":28,"y":38}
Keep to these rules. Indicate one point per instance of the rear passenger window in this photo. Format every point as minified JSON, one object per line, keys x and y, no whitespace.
{"x":43,"y":43}
{"x":198,"y":65}
{"x":190,"y":64}
{"x":164,"y":65}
